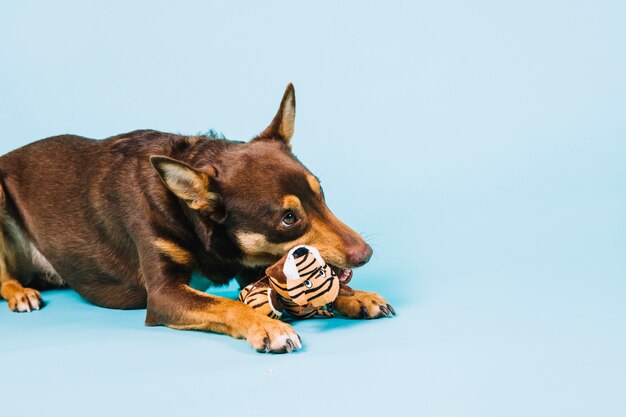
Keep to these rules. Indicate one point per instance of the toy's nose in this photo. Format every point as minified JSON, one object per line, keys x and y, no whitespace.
{"x":359,"y":255}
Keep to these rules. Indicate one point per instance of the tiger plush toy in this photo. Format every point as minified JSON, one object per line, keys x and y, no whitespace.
{"x":300,"y":283}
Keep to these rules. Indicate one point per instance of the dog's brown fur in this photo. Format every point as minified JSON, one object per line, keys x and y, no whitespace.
{"x":125,"y":221}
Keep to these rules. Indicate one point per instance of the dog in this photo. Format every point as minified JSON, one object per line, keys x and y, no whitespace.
{"x":127,"y":220}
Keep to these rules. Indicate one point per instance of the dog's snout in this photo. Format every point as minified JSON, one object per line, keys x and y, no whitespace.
{"x":359,"y":255}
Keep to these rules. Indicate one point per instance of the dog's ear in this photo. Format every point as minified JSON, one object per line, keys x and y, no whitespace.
{"x":189,"y":184}
{"x":282,"y":126}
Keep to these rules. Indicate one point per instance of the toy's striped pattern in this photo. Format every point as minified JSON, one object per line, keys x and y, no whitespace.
{"x":311,"y":284}
{"x":259,"y":296}
{"x":307,"y":311}
{"x":315,"y":280}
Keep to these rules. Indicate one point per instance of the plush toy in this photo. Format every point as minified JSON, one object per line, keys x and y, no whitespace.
{"x":300,"y":283}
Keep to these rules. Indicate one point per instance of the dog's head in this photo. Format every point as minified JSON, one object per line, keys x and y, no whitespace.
{"x":265,"y":198}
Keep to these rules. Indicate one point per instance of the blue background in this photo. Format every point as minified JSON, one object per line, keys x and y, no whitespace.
{"x":480,"y":146}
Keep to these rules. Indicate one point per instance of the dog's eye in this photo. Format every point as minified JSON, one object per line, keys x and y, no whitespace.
{"x":289,"y":219}
{"x":308,"y":283}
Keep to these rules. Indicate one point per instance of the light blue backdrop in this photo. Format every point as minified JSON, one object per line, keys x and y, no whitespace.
{"x":480,"y":145}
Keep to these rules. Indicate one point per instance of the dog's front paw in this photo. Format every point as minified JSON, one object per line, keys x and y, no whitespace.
{"x":25,"y":300}
{"x":363,"y":305}
{"x":270,"y":335}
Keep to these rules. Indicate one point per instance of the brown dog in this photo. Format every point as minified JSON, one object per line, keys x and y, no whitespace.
{"x":125,"y":222}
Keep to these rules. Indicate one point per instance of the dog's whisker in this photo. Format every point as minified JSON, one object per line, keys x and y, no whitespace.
{"x":369,"y":236}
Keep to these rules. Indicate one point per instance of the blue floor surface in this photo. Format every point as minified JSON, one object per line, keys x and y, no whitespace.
{"x":518,"y":350}
{"x":71,"y":352}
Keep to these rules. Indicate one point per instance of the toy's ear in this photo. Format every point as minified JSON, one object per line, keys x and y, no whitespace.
{"x":276,"y":271}
{"x":345,"y":290}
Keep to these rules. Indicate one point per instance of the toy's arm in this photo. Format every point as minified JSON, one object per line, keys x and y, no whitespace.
{"x":262,"y":297}
{"x":276,"y":306}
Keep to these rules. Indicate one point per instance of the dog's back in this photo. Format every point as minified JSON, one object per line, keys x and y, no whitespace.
{"x":72,"y":198}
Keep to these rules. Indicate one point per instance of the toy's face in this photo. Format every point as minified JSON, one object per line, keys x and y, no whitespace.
{"x":307,"y":279}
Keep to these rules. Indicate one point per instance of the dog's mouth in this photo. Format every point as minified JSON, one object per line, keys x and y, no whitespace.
{"x":344,"y":274}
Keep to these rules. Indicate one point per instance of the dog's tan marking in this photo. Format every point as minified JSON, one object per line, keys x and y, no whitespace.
{"x":324,"y":237}
{"x":174,"y":252}
{"x":259,"y":252}
{"x":290,"y":201}
{"x":314,"y":184}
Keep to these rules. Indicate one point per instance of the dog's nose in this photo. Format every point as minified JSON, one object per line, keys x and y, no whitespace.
{"x":359,"y":255}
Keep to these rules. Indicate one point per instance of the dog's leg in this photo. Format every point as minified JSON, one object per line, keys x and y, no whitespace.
{"x":363,"y":305}
{"x":20,"y":299}
{"x":172,"y":303}
{"x":250,"y":275}
{"x":182,"y":307}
